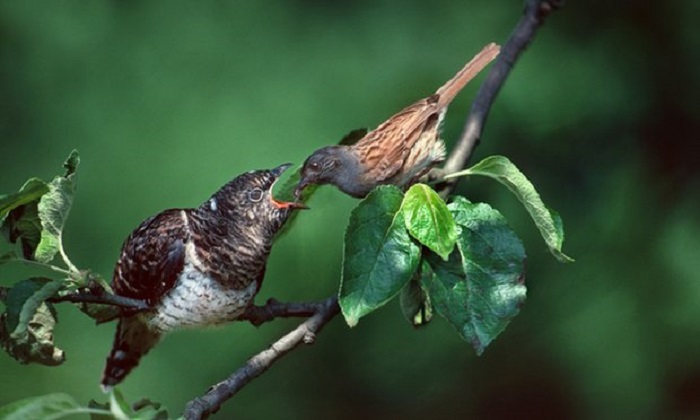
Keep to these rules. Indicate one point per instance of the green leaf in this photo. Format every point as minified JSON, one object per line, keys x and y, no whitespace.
{"x":146,"y":409}
{"x":37,"y":213}
{"x":51,"y":406}
{"x":31,"y":191}
{"x":23,"y":224}
{"x":428,"y":220}
{"x":286,"y":191}
{"x":71,"y":163}
{"x":26,"y":328}
{"x":549,"y":224}
{"x":118,"y":408}
{"x":9,"y":256}
{"x":415,"y":303}
{"x":379,"y":257}
{"x":24,"y":298}
{"x":558,"y":227}
{"x":480,"y":288}
{"x":53,"y":208}
{"x":20,"y":218}
{"x":446,"y":285}
{"x":100,"y":411}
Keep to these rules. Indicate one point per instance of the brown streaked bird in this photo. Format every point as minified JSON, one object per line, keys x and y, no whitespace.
{"x":195,"y":267}
{"x":400,"y":150}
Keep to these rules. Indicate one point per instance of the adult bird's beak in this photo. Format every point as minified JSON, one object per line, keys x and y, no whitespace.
{"x":294,"y":205}
{"x":299,"y":188}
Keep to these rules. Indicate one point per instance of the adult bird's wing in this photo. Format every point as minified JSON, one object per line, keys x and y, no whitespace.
{"x":384,"y":149}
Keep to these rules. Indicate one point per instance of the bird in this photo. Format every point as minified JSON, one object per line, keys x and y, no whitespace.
{"x":195,"y":267}
{"x":400,"y":150}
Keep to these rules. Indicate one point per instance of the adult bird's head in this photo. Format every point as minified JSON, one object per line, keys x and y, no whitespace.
{"x":338,"y":165}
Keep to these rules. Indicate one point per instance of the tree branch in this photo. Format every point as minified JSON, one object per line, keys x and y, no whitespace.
{"x":210,"y":403}
{"x":322,"y":312}
{"x":533,"y":17}
{"x":102,"y":297}
{"x":258,"y":315}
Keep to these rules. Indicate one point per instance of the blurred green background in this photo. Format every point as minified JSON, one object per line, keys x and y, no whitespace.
{"x":166,"y":101}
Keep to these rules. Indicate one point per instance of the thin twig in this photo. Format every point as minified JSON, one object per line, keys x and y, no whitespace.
{"x":533,"y":17}
{"x":210,"y":403}
{"x":130,"y":304}
{"x":272,"y":309}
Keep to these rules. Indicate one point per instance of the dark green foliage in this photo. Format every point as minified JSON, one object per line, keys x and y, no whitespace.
{"x":20,"y":217}
{"x":44,"y":406}
{"x":415,"y":303}
{"x":53,"y":209}
{"x":477,"y":285}
{"x":36,"y":214}
{"x":485,"y":277}
{"x":27,"y":326}
{"x":548,"y":222}
{"x":59,"y":405}
{"x":380,"y":256}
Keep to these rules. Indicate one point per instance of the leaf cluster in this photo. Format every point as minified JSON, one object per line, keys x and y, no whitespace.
{"x":461,"y":259}
{"x":53,"y":406}
{"x":32,"y":219}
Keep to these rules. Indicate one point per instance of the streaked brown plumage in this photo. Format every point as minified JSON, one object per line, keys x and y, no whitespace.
{"x":400,"y":150}
{"x":195,"y":267}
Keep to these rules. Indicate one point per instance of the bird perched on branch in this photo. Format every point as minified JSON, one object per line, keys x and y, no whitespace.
{"x":195,"y":267}
{"x":400,"y":150}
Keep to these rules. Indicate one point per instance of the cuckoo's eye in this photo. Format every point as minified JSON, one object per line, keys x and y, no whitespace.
{"x":255,"y":195}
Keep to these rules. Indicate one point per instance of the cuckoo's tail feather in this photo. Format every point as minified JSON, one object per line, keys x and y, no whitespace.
{"x":131,"y":342}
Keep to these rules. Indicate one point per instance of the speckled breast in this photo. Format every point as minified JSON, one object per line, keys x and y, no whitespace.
{"x":197,"y":300}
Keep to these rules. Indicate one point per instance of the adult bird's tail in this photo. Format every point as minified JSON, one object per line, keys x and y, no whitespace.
{"x":449,"y":90}
{"x":132,"y":341}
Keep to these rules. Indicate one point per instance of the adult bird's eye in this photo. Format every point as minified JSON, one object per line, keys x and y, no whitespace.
{"x":255,"y":195}
{"x":330,"y":164}
{"x":314,"y":166}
